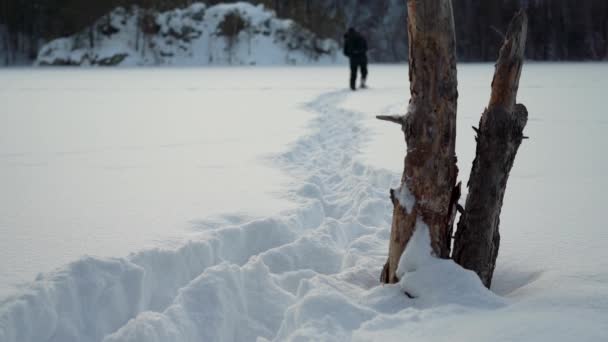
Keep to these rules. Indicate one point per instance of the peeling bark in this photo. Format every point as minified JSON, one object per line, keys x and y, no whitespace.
{"x":499,"y":136}
{"x":430,"y":132}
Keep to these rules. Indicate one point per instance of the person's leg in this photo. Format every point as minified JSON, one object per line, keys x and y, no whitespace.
{"x":363,"y":73}
{"x":353,"y":74}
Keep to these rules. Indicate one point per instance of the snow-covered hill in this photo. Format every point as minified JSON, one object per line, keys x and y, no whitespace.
{"x":240,"y":33}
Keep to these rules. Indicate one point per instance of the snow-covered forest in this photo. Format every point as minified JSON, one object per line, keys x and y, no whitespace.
{"x":558,"y":30}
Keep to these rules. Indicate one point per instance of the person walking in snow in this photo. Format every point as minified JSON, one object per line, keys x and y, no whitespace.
{"x":355,"y":48}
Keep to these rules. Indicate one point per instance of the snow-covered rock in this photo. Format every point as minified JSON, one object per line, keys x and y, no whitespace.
{"x":238,"y":34}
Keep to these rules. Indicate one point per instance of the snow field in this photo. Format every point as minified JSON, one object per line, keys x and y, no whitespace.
{"x":133,"y":159}
{"x":325,"y":236}
{"x":311,"y":273}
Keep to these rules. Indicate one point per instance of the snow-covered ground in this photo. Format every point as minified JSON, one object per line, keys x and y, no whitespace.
{"x":107,"y":162}
{"x":236,"y":34}
{"x":301,"y":172}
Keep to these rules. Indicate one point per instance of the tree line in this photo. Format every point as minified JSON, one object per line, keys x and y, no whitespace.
{"x":557,"y":30}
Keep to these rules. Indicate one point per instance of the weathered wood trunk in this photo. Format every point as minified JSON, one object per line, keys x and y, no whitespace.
{"x":430,"y":171}
{"x":499,"y":135}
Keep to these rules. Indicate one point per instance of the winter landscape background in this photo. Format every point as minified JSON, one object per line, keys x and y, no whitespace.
{"x":559,"y":30}
{"x":247,"y":200}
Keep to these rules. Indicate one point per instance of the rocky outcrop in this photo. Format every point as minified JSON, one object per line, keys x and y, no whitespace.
{"x":235,"y":34}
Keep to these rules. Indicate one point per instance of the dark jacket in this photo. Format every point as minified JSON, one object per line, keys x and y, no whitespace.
{"x":355,"y":46}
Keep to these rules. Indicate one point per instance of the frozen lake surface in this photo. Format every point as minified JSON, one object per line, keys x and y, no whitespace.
{"x":255,"y":202}
{"x":106,"y":162}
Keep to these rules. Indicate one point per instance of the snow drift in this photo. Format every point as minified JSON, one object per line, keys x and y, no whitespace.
{"x":240,"y":33}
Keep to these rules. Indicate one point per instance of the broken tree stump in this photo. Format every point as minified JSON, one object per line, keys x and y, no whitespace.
{"x":499,"y":136}
{"x":430,"y":171}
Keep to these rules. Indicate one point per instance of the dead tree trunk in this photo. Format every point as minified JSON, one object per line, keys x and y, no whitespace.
{"x":430,"y":170}
{"x":499,"y":135}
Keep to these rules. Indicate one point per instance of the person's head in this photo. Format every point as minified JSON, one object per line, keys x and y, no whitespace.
{"x":351,"y":30}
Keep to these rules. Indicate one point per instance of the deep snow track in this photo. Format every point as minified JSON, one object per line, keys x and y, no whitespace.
{"x":270,"y":278}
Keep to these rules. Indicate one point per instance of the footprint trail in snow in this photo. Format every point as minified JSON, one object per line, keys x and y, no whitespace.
{"x":310,"y":262}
